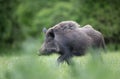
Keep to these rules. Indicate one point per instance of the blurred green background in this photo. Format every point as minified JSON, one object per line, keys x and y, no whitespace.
{"x":20,"y":19}
{"x":21,"y":23}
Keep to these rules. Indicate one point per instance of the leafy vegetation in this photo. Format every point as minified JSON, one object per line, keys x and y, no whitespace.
{"x":23,"y":18}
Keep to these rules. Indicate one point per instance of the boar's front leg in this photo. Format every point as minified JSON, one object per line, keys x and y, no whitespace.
{"x":65,"y":56}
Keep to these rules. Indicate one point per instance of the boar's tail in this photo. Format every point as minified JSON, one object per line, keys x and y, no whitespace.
{"x":103,"y":45}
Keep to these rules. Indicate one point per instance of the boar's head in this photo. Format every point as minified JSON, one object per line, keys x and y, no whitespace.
{"x":50,"y":45}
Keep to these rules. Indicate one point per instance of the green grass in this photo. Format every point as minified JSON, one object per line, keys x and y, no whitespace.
{"x":35,"y":67}
{"x":28,"y":65}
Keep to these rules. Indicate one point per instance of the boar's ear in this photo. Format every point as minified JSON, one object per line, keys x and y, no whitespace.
{"x":44,"y":30}
{"x":51,"y":33}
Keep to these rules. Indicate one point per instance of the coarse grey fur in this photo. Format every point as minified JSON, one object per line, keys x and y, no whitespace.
{"x":68,"y":39}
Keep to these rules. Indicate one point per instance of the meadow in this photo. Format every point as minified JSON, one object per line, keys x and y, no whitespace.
{"x":28,"y":65}
{"x":21,"y":24}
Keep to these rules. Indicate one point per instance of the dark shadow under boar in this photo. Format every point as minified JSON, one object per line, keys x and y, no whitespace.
{"x":69,"y":39}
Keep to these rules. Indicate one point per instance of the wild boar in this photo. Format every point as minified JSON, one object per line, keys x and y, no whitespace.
{"x":68,"y":39}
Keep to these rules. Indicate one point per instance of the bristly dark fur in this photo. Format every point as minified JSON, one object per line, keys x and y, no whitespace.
{"x":68,"y":39}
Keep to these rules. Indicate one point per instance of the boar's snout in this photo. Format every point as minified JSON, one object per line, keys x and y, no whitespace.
{"x":48,"y":51}
{"x":42,"y":51}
